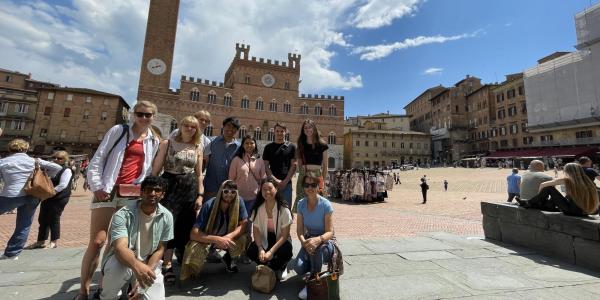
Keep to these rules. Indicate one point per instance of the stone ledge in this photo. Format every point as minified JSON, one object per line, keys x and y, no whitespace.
{"x":573,"y":239}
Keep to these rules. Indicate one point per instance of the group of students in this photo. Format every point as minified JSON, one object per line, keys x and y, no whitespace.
{"x":535,"y":189}
{"x":197,"y":199}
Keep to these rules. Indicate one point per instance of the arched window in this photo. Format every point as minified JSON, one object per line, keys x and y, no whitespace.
{"x":271,"y":136}
{"x":227,"y":99}
{"x":332,"y":110}
{"x":212,"y":97}
{"x":331,"y":139}
{"x":304,"y":109}
{"x":287,"y":107}
{"x":318,"y":110}
{"x":195,"y":94}
{"x":273,"y":105}
{"x":245,"y":102}
{"x":242,"y":132}
{"x":257,"y":133}
{"x":208,"y":131}
{"x":259,"y":104}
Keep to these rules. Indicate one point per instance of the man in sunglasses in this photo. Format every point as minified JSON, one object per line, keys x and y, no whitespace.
{"x":220,"y":226}
{"x":139,"y":233}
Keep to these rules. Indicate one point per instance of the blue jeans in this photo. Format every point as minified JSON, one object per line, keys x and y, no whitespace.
{"x":313,"y":263}
{"x":287,"y":194}
{"x":26,"y":206}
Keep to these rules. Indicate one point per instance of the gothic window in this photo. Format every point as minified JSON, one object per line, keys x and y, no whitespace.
{"x":287,"y":107}
{"x":273,"y":105}
{"x":247,"y":79}
{"x":227,"y":100}
{"x":243,"y":131}
{"x":304,"y":109}
{"x":259,"y":104}
{"x":257,"y":133}
{"x":331,"y":139}
{"x":195,"y":94}
{"x":208,"y":131}
{"x":245,"y":102}
{"x":212,"y":97}
{"x":271,"y":135}
{"x":332,"y":110}
{"x":318,"y":110}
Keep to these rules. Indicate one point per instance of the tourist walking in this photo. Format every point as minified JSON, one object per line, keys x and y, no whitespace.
{"x":271,"y":219}
{"x":445,"y":185}
{"x":121,"y":162}
{"x":15,"y":169}
{"x":514,"y":181}
{"x":314,"y":227}
{"x":221,"y":153}
{"x":312,"y":158}
{"x":181,"y":157}
{"x":424,"y":188}
{"x":51,"y":209}
{"x":280,"y":162}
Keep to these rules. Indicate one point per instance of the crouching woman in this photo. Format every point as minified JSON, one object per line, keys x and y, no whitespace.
{"x":271,"y":219}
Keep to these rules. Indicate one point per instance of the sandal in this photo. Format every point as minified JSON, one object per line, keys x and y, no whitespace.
{"x":36,"y":245}
{"x":169,"y":276}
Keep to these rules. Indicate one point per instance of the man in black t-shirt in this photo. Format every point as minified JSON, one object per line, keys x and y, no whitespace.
{"x":280,"y":162}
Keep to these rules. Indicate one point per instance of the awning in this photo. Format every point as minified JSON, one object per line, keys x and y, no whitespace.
{"x":544,"y":152}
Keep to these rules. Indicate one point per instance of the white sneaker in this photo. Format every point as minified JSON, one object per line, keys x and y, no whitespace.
{"x":303,"y":294}
{"x":4,"y":257}
{"x":282,"y":274}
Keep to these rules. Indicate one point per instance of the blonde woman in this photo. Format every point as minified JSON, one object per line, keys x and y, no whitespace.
{"x":14,"y":172}
{"x":51,"y":210}
{"x":581,"y":196}
{"x":124,"y":157}
{"x":181,"y":157}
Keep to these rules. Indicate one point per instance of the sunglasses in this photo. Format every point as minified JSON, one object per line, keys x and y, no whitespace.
{"x":143,"y":115}
{"x":313,"y":185}
{"x":227,"y":191}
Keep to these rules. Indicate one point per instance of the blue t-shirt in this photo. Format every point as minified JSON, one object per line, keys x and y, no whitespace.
{"x":513,"y":183}
{"x":221,"y":219}
{"x":314,"y":221}
{"x":219,"y":160}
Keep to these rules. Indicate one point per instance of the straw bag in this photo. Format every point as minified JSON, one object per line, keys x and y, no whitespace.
{"x":263,"y":279}
{"x":39,"y":184}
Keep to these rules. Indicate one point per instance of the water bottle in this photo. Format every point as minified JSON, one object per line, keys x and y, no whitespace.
{"x":157,"y":270}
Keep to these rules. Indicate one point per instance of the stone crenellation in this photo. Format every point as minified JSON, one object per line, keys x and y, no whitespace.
{"x":321,"y":97}
{"x":200,"y":81}
{"x":242,"y":52}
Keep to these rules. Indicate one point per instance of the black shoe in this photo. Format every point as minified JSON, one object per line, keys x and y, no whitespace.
{"x":230,"y":265}
{"x":97,"y":293}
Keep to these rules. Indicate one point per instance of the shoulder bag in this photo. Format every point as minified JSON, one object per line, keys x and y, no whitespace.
{"x":38,"y":184}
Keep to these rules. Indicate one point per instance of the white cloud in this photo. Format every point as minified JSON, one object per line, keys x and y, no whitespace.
{"x":379,"y":13}
{"x":433,"y":71}
{"x":383,"y":50}
{"x":98,"y":44}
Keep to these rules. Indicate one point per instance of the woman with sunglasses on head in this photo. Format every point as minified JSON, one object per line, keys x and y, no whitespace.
{"x":121,"y":162}
{"x":181,"y":157}
{"x":314,"y":227}
{"x":312,"y":158}
{"x":271,"y":220}
{"x":51,"y":209}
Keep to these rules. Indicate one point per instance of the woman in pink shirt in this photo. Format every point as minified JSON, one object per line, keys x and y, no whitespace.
{"x":247,"y":170}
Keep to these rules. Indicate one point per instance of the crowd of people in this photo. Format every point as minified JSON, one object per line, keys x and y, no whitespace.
{"x":185,"y":196}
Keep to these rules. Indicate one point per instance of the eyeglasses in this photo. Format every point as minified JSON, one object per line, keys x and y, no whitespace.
{"x":143,"y":115}
{"x":227,"y":191}
{"x":313,"y":185}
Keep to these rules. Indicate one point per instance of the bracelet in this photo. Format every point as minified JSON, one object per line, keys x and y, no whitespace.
{"x":200,"y":195}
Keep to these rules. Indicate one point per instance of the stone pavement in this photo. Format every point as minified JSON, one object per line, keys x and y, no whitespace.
{"x":435,"y":265}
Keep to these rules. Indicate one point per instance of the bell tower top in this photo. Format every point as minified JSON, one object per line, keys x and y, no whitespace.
{"x":159,"y":45}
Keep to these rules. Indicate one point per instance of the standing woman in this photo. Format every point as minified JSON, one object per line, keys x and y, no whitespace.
{"x":314,"y":228}
{"x":15,"y":169}
{"x":52,"y":209}
{"x":312,"y":158}
{"x":181,"y":157}
{"x":271,"y":219}
{"x":124,"y":157}
{"x":247,"y":170}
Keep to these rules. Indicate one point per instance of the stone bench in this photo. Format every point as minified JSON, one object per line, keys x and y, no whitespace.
{"x":572,"y":239}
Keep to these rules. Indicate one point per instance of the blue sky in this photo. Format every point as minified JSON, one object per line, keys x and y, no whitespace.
{"x":379,"y":54}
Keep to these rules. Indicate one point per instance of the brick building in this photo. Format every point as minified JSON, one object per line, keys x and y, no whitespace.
{"x":18,"y":105}
{"x":260,"y":92}
{"x":383,"y":140}
{"x":75,"y":119}
{"x":482,"y":119}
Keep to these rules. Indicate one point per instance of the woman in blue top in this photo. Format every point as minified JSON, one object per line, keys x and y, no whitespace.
{"x":314,"y":229}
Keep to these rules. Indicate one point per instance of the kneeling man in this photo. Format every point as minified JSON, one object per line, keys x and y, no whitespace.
{"x":220,"y":225}
{"x":138,"y":234}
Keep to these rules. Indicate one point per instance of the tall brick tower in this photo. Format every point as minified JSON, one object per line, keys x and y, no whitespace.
{"x":157,"y":60}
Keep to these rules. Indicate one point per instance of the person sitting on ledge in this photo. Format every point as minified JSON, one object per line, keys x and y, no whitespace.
{"x":220,"y":226}
{"x":581,"y":197}
{"x":531,"y":180}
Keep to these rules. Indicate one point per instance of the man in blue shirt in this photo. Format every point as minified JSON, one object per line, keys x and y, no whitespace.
{"x":222,"y":152}
{"x":514,"y":183}
{"x":221,"y":226}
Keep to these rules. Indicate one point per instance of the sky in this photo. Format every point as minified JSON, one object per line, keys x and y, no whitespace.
{"x":378,"y":54}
